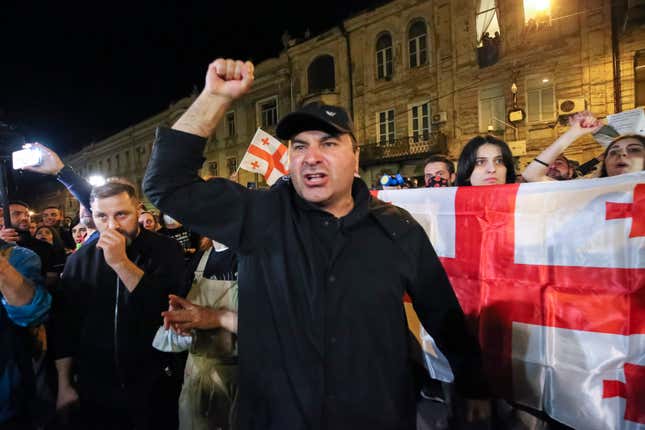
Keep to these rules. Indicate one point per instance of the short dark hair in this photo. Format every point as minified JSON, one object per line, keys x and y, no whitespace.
{"x":110,"y":189}
{"x":52,"y":207}
{"x":440,"y":158}
{"x":468,"y":158}
{"x":640,"y":138}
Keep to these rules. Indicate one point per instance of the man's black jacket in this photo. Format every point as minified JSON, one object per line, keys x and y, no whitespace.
{"x":84,"y":313}
{"x":323,"y":341}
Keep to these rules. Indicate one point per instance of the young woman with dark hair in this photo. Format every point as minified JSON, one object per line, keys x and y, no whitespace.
{"x":625,"y":154}
{"x":485,"y":160}
{"x":58,"y":255}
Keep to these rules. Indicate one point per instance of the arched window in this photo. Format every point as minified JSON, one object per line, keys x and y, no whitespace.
{"x":384,"y":56}
{"x":320,"y":75}
{"x":417,"y":43}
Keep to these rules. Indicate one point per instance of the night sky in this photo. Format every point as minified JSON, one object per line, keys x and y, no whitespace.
{"x":73,"y":74}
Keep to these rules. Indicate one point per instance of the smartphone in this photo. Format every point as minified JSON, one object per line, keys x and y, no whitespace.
{"x":26,"y":157}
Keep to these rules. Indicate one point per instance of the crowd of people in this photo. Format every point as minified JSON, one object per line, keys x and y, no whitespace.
{"x":128,"y":319}
{"x":487,"y":160}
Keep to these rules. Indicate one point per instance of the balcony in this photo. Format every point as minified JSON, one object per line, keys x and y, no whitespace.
{"x":405,"y":148}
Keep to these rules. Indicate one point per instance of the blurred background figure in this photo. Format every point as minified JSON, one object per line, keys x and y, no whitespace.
{"x":172,"y":228}
{"x":148,"y":221}
{"x":59,"y":255}
{"x":79,"y":233}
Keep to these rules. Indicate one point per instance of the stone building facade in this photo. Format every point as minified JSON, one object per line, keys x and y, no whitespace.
{"x":422,"y":76}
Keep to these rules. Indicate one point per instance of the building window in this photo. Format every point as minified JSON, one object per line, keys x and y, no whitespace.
{"x":384,"y":67}
{"x":385,"y":130}
{"x":639,"y":78}
{"x":268,"y":112}
{"x":537,"y":12}
{"x":420,"y":121}
{"x":231,"y":164}
{"x":486,"y":20}
{"x":108,"y":163}
{"x":492,"y":109}
{"x":230,"y":123}
{"x":212,"y":168}
{"x":127,"y":159}
{"x":540,"y":99}
{"x":320,"y":75}
{"x":117,"y":160}
{"x":417,"y":43}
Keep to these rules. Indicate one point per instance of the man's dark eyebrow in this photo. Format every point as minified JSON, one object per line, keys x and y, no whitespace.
{"x":330,"y":136}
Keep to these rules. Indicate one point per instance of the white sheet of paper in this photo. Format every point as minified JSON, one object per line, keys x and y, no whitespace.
{"x":628,"y":122}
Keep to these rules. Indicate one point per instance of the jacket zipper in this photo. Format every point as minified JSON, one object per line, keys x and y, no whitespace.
{"x":117,"y":364}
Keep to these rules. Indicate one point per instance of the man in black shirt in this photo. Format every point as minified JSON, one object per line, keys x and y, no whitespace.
{"x":112,"y":294}
{"x":323,"y":267}
{"x":19,"y":233}
{"x":52,"y":217}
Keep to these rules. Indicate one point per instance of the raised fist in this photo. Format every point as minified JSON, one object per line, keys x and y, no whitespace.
{"x":229,"y":78}
{"x":584,"y":122}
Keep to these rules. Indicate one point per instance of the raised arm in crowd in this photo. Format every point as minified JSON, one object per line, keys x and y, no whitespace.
{"x":326,"y":317}
{"x":550,"y":164}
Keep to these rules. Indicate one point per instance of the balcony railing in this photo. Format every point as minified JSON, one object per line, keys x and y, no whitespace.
{"x":406,"y":148}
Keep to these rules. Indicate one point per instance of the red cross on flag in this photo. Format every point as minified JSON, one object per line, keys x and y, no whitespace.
{"x":267,"y":156}
{"x":552,"y":277}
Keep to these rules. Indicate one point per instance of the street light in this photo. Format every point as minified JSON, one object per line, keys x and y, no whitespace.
{"x":96,"y":180}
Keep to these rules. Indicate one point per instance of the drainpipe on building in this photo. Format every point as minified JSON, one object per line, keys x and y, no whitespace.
{"x":345,"y":34}
{"x":616,"y":11}
{"x":290,"y":65}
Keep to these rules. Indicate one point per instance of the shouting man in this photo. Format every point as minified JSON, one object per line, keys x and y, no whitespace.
{"x":323,"y":267}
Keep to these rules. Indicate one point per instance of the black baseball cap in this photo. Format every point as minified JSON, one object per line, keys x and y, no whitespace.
{"x":315,"y":116}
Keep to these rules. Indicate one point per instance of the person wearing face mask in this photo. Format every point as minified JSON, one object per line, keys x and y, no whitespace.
{"x":112,"y":293}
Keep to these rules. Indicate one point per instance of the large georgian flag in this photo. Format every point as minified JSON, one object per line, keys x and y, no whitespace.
{"x":267,"y":156}
{"x":552,"y":277}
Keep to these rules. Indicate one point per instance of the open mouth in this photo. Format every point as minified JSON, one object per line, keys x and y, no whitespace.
{"x":622,"y":165}
{"x":313,"y":179}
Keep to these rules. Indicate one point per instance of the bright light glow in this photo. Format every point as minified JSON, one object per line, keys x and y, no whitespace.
{"x":545,"y":80}
{"x":538,"y":10}
{"x":96,"y":180}
{"x":32,"y":213}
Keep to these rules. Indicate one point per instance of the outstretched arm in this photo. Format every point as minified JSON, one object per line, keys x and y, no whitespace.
{"x":579,"y":125}
{"x":52,"y":165}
